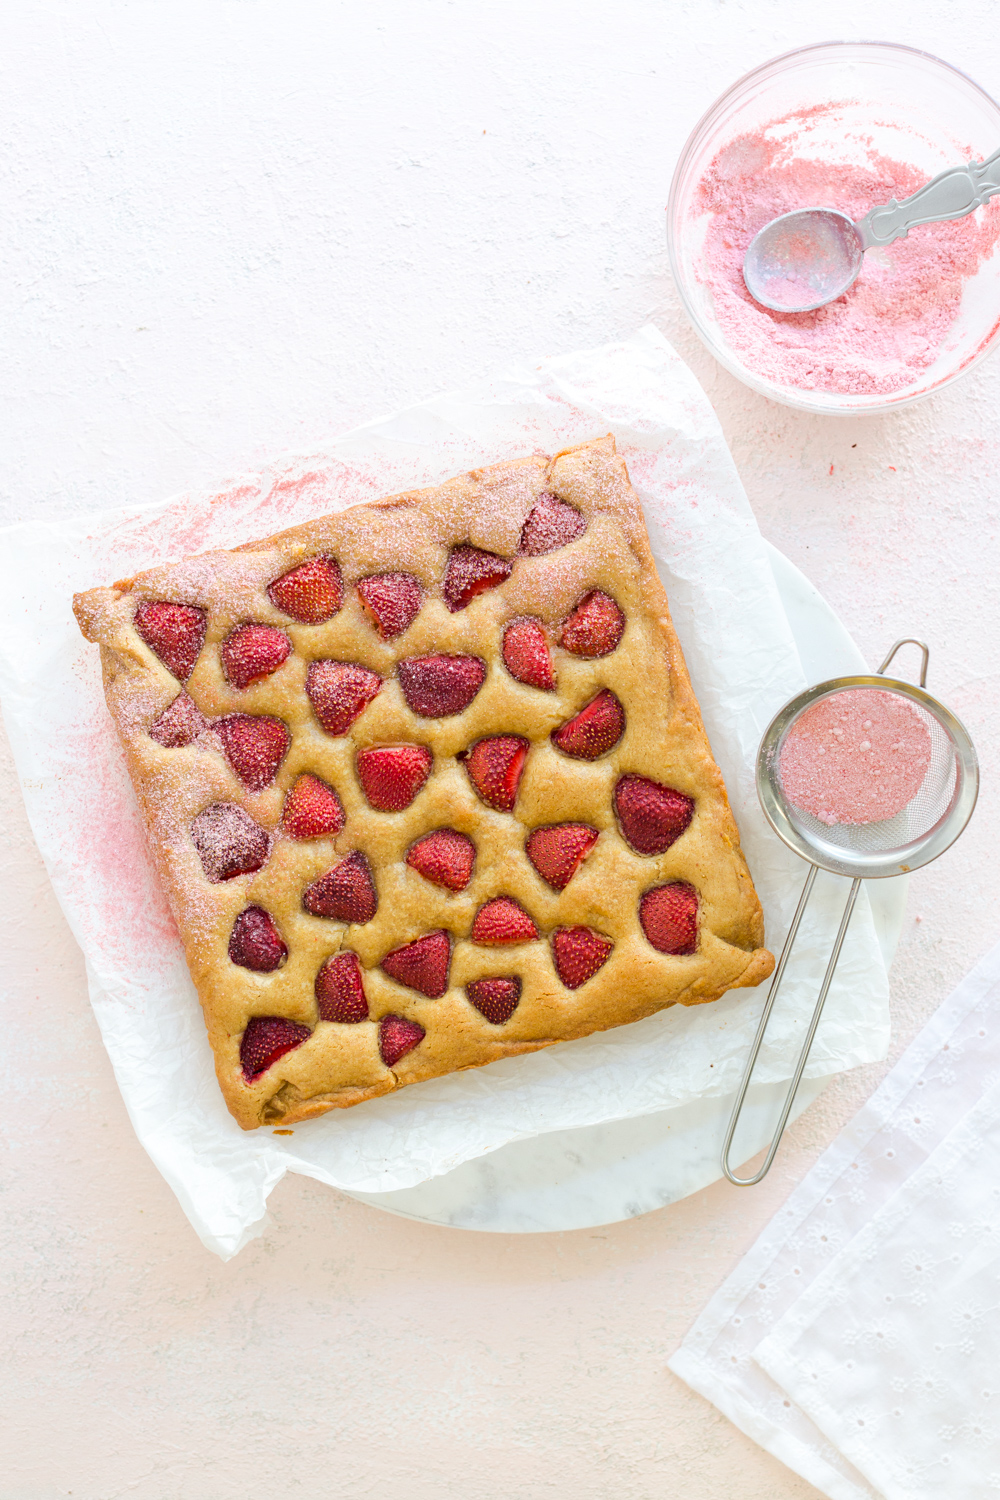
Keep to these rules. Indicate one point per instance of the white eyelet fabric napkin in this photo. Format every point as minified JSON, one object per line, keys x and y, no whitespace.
{"x":744,"y":664}
{"x":859,"y":1340}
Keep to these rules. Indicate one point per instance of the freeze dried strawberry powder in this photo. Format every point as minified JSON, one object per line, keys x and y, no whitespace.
{"x":859,"y":756}
{"x":893,"y":322}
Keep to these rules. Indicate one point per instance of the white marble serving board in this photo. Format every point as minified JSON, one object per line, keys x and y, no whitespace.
{"x":577,"y":1179}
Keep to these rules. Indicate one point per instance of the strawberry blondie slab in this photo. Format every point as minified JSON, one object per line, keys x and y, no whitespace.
{"x":427,"y":784}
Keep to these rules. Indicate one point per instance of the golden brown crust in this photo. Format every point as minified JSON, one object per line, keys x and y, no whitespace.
{"x":664,"y":739}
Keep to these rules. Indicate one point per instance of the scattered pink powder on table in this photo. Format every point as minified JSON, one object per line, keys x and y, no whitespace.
{"x":890,"y":325}
{"x":856,"y":757}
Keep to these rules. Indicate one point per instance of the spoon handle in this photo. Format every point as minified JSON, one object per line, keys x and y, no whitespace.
{"x":952,"y":194}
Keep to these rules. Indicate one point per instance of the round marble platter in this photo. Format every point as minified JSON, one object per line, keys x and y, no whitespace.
{"x":578,"y":1179}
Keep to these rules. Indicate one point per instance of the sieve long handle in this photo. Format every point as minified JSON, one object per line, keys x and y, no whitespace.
{"x":810,"y":1034}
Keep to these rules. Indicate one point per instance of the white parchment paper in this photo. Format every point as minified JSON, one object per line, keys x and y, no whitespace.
{"x":744,"y":665}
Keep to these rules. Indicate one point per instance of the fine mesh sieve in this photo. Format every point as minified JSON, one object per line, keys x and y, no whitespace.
{"x":931,"y":820}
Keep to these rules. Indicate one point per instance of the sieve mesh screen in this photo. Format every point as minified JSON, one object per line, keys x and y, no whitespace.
{"x":923,"y":811}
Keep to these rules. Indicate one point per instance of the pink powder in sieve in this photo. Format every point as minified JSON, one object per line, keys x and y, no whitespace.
{"x":856,"y":757}
{"x":891,"y":324}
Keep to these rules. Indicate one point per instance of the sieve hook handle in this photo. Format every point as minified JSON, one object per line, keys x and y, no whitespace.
{"x":772,"y":995}
{"x":909,"y":640}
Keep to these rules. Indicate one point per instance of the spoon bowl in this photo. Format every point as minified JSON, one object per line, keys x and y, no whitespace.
{"x":803,"y":260}
{"x":840,"y":105}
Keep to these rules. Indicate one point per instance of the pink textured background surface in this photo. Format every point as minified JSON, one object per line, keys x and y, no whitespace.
{"x":237,"y":229}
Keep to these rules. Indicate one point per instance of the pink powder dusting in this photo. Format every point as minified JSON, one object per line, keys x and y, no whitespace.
{"x":855,"y":757}
{"x":890,"y":325}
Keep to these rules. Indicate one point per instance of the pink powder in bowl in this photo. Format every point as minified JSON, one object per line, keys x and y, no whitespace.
{"x":891,"y":325}
{"x":856,"y":757}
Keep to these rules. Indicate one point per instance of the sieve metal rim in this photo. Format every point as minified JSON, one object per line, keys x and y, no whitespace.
{"x":869,"y":865}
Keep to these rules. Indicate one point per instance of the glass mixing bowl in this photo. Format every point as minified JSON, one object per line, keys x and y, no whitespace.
{"x":905,"y":104}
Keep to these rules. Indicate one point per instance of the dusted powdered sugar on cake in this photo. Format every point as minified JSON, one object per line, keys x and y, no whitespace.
{"x":427,"y":784}
{"x":859,"y":756}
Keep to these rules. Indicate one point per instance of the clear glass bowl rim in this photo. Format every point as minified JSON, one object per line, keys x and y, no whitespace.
{"x":743,"y":84}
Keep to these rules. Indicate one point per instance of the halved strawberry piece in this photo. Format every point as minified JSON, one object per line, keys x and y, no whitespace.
{"x":422,"y":965}
{"x":551,"y":524}
{"x":312,"y":809}
{"x":346,"y":893}
{"x":253,"y":652}
{"x":503,"y":920}
{"x":255,"y":942}
{"x":340,"y":993}
{"x":594,"y":731}
{"x":495,"y":766}
{"x":496,"y":999}
{"x":255,"y":746}
{"x":265,"y":1040}
{"x":444,"y":857}
{"x":557,"y":852}
{"x":174,"y":632}
{"x":436,"y":686}
{"x":229,"y":842}
{"x":669,"y":917}
{"x":651,"y":815}
{"x":392,"y":602}
{"x":310,"y":593}
{"x":396,"y":1037}
{"x":471,"y":571}
{"x":526,"y":654}
{"x":579,"y":953}
{"x":339,"y":692}
{"x":392,"y":775}
{"x":178,"y":725}
{"x":595,"y":626}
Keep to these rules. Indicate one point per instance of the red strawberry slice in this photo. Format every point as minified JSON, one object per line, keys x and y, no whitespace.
{"x":526,"y":654}
{"x":495,"y":767}
{"x":265,"y":1040}
{"x":252,"y":653}
{"x":310,"y":593}
{"x":174,"y":632}
{"x":422,"y":965}
{"x":557,"y":852}
{"x":444,"y":857}
{"x":396,"y":1037}
{"x":340,"y":993}
{"x":255,"y":746}
{"x":392,"y":602}
{"x":229,"y":841}
{"x":392,"y":775}
{"x":669,"y":917}
{"x":503,"y":920}
{"x":339,"y":692}
{"x":255,"y":942}
{"x":651,"y":815}
{"x":595,"y":626}
{"x":436,"y":686}
{"x":551,"y":524}
{"x":346,"y":893}
{"x":312,"y":809}
{"x":178,"y":725}
{"x":594,"y":731}
{"x":471,"y":571}
{"x":496,"y":999}
{"x":579,"y":953}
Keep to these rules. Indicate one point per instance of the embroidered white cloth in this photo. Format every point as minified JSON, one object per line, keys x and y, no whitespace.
{"x":858,"y":1339}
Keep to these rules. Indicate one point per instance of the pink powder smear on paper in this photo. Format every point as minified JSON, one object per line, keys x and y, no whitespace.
{"x":891,"y":324}
{"x":856,"y":757}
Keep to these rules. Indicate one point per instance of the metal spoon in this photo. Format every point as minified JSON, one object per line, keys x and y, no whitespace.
{"x":806,"y":259}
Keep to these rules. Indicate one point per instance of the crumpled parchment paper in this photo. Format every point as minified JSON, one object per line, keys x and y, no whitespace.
{"x":744,"y":666}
